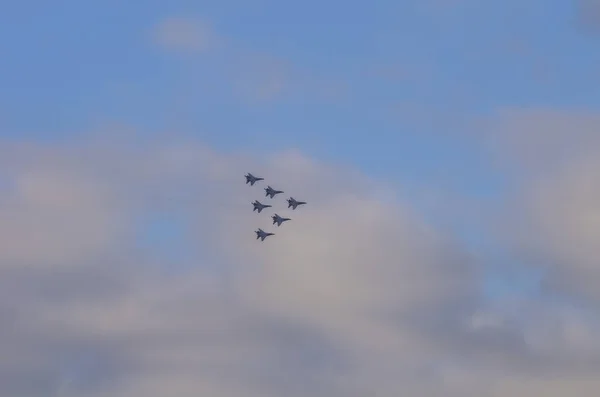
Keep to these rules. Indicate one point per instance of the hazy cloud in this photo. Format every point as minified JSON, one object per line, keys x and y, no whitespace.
{"x":261,"y":78}
{"x":588,"y":14}
{"x":536,"y":140}
{"x":553,"y":155}
{"x":184,"y":34}
{"x":253,"y":76}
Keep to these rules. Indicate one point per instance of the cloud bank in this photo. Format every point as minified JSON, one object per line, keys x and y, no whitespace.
{"x":356,"y":295}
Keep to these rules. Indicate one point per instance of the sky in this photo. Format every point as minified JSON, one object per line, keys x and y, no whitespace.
{"x":447,"y":151}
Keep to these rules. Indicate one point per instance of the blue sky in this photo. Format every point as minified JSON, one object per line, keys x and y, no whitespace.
{"x":412,"y":75}
{"x":420,"y":96}
{"x":76,"y":67}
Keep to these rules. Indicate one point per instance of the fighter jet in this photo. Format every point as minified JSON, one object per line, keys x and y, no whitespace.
{"x":293,"y":203}
{"x":259,"y":206}
{"x":262,"y":235}
{"x":270,"y":192}
{"x":279,"y":220}
{"x":251,"y":179}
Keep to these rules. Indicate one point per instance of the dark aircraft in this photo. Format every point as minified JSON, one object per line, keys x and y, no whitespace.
{"x":251,"y":179}
{"x":259,"y":206}
{"x":262,"y":235}
{"x":293,"y":203}
{"x":279,"y":220}
{"x":270,"y":192}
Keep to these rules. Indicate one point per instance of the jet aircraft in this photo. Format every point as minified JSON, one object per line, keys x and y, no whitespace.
{"x":293,"y":203}
{"x":279,"y":220}
{"x":258,"y":206}
{"x":262,"y":235}
{"x":251,"y":179}
{"x":270,"y":192}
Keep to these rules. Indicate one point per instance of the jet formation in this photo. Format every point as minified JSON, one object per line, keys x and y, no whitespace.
{"x":258,"y":206}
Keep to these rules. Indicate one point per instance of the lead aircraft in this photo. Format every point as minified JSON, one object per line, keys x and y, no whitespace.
{"x":294,"y":203}
{"x":270,"y":192}
{"x":251,"y":179}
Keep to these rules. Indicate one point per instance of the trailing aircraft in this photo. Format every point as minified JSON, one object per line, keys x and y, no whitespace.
{"x":293,"y":203}
{"x":279,"y":220}
{"x":251,"y":179}
{"x":259,"y":206}
{"x":262,"y":235}
{"x":270,"y":192}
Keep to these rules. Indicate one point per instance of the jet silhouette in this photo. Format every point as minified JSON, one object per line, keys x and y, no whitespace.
{"x":279,"y":220}
{"x":270,"y":192}
{"x":258,"y":206}
{"x":293,"y":203}
{"x":251,"y":179}
{"x":262,"y":235}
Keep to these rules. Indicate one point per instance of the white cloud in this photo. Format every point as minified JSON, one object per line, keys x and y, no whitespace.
{"x":46,"y":195}
{"x":555,"y":221}
{"x":562,"y":214}
{"x":356,"y":295}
